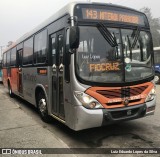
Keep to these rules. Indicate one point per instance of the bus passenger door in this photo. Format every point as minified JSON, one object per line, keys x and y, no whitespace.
{"x":19,"y":80}
{"x":57,"y":77}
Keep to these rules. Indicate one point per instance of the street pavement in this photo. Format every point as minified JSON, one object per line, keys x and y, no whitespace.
{"x":21,"y":127}
{"x":19,"y":130}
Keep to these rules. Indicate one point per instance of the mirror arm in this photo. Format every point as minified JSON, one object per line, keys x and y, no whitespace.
{"x":73,"y":20}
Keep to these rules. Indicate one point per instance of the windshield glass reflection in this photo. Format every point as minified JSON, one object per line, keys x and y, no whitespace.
{"x":102,"y":56}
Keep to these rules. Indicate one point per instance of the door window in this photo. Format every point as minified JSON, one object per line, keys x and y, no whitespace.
{"x":53,"y":50}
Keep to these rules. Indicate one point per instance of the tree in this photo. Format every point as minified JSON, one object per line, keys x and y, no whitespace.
{"x":155,"y":26}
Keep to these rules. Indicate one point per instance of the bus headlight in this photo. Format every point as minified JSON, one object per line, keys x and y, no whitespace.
{"x":87,"y":101}
{"x":151,"y":95}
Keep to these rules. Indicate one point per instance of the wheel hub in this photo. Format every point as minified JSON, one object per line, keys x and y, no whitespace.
{"x":42,"y":105}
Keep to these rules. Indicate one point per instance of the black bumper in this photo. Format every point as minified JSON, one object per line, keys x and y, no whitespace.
{"x":122,"y":114}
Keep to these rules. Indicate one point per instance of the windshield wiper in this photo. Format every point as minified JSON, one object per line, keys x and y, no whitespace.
{"x":130,"y":47}
{"x":135,"y":37}
{"x":107,"y":35}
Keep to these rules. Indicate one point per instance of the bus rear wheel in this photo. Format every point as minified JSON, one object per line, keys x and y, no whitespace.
{"x":10,"y":90}
{"x":42,"y":108}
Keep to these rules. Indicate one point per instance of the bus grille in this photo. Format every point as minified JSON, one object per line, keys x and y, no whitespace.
{"x":122,"y":114}
{"x":122,"y":92}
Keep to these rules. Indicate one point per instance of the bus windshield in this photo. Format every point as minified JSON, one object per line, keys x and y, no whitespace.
{"x":112,"y":60}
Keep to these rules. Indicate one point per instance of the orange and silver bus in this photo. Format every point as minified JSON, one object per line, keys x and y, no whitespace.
{"x":79,"y":66}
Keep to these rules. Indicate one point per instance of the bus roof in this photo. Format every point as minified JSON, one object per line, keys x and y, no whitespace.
{"x":67,"y":9}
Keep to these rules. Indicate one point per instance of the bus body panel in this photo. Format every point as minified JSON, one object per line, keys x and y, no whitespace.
{"x":32,"y":79}
{"x":87,"y":118}
{"x":73,"y":107}
{"x":14,"y":79}
{"x":112,"y":97}
{"x":58,"y":25}
{"x":5,"y":78}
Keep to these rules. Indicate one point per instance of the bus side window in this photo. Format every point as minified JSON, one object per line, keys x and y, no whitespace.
{"x":4,"y":59}
{"x":8,"y":58}
{"x":19,"y":57}
{"x":60,"y":48}
{"x":28,"y":52}
{"x":54,"y":50}
{"x":13,"y":56}
{"x":40,"y":47}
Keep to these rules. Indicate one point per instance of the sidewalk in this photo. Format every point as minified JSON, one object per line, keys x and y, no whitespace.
{"x":18,"y":130}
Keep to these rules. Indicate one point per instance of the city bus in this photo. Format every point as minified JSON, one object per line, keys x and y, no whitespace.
{"x":157,"y":64}
{"x":78,"y":66}
{"x":0,"y":70}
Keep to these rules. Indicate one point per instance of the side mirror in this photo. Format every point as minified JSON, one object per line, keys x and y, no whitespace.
{"x":74,"y":37}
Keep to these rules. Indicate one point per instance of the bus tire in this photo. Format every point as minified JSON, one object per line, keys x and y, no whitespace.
{"x":10,"y":90}
{"x":42,"y":107}
{"x":158,"y":77}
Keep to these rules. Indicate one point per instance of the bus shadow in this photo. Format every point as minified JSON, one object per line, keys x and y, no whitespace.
{"x":26,"y":104}
{"x":96,"y":137}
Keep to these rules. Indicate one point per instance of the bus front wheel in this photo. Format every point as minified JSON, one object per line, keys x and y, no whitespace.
{"x":42,"y":108}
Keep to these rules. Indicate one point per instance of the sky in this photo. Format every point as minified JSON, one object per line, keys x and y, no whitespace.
{"x":17,"y":17}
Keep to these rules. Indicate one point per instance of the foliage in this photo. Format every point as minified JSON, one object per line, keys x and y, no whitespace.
{"x":155,"y":26}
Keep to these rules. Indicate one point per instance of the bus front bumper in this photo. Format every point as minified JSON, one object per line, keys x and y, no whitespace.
{"x":95,"y":118}
{"x":127,"y":113}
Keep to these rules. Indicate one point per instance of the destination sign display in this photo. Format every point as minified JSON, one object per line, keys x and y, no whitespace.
{"x":113,"y":66}
{"x":112,"y":16}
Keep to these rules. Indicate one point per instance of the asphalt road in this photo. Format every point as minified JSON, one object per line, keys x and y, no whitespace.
{"x":140,"y":133}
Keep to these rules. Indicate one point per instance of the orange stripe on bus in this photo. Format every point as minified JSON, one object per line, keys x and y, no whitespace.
{"x":134,"y":98}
